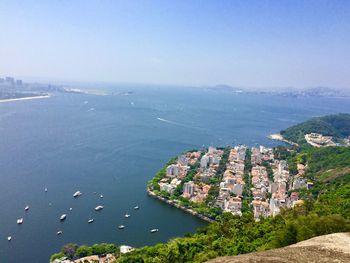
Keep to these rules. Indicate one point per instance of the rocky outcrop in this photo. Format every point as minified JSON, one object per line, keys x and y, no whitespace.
{"x":328,"y":248}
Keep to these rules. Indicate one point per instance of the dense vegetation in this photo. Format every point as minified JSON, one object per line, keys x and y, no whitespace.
{"x":247,"y":192}
{"x":337,"y":126}
{"x":73,"y":251}
{"x":233,"y":235}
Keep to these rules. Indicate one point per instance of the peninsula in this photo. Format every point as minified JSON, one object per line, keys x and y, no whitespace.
{"x":236,"y":180}
{"x":256,"y":198}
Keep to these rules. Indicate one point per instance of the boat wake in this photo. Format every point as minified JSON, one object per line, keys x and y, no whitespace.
{"x":167,"y":121}
{"x":179,"y":124}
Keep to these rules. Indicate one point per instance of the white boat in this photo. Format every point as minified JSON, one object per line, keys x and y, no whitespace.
{"x":127,"y":216}
{"x":136,"y":207}
{"x":45,"y":190}
{"x":20,"y":220}
{"x":77,"y":194}
{"x":91,"y":220}
{"x":70,"y":209}
{"x":101,"y":196}
{"x":63,"y":217}
{"x":26,"y":208}
{"x":59,"y":232}
{"x":121,"y":227}
{"x":154,"y":230}
{"x":98,"y":208}
{"x":9,"y":238}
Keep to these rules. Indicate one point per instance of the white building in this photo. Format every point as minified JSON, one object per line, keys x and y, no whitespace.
{"x":188,"y":189}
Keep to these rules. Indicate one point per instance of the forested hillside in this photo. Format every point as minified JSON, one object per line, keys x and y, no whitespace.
{"x":337,"y":126}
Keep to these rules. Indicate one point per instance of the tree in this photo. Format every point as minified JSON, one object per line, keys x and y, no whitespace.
{"x":83,"y":251}
{"x":69,"y":250}
{"x":57,"y":256}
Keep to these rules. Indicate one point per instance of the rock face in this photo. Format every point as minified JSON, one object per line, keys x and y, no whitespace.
{"x":328,"y":248}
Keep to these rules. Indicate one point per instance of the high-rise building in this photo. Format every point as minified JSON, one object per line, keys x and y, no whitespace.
{"x":10,"y":80}
{"x":204,"y":161}
{"x":188,"y":189}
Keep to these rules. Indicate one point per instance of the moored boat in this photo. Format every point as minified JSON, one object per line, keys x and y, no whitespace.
{"x":26,"y":208}
{"x":63,"y":217}
{"x":59,"y":232}
{"x":90,"y":220}
{"x":77,"y":194}
{"x":20,"y":220}
{"x":127,"y":216}
{"x":98,"y":208}
{"x":9,"y":238}
{"x":121,"y":227}
{"x":136,"y":207}
{"x":154,"y":230}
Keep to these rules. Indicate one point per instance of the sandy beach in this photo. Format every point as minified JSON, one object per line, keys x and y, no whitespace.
{"x":279,"y":137}
{"x":26,"y":98}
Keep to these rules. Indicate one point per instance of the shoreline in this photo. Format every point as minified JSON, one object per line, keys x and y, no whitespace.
{"x":172,"y":203}
{"x":279,"y":137}
{"x":26,"y":98}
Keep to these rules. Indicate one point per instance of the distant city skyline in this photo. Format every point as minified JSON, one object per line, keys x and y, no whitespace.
{"x":258,"y":44}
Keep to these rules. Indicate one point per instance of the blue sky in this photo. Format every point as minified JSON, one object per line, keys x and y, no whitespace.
{"x":242,"y":43}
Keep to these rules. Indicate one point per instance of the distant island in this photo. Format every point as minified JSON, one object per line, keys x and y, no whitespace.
{"x":255,"y":198}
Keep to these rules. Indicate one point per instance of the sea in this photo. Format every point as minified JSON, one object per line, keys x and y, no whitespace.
{"x":111,"y":145}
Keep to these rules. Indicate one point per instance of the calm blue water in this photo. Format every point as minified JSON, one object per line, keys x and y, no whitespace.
{"x":61,"y":144}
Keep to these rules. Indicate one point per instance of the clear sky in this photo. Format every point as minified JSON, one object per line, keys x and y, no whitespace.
{"x":242,"y":43}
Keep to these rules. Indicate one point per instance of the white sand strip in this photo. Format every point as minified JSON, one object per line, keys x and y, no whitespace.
{"x":26,"y":98}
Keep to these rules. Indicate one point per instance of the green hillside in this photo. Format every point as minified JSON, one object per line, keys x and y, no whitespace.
{"x":337,"y":126}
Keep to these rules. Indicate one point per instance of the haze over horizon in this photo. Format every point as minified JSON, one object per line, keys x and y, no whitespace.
{"x":240,"y":43}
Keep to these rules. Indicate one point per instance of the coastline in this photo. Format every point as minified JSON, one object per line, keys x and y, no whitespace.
{"x":172,"y":203}
{"x":279,"y":137}
{"x":25,"y":98}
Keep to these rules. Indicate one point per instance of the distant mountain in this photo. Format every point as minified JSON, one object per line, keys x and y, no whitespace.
{"x":313,"y":92}
{"x":223,"y":87}
{"x":285,"y":91}
{"x":337,"y":126}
